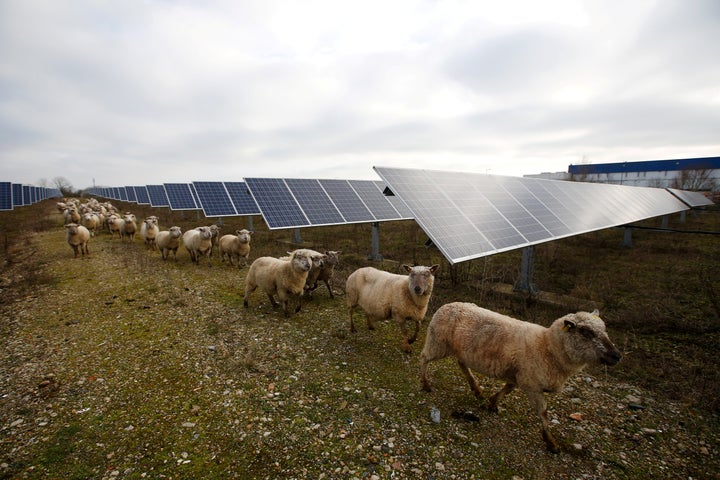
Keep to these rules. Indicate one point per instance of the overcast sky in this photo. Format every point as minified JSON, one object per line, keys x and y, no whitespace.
{"x":141,"y":92}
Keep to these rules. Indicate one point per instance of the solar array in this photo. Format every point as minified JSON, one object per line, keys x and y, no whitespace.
{"x":469,"y":215}
{"x":17,"y":195}
{"x":692,"y":199}
{"x":295,"y":202}
{"x":6,"y":200}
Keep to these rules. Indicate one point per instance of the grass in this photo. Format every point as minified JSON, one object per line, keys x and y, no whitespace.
{"x":124,"y":363}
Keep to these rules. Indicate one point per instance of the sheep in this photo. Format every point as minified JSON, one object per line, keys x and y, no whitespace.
{"x":91,"y":222}
{"x":384,"y":295}
{"x":526,"y":355}
{"x":325,"y":273}
{"x":115,"y":224}
{"x":71,"y":215}
{"x":198,"y":241}
{"x":215,"y":230}
{"x":128,"y":227}
{"x":281,"y":277}
{"x":167,"y":241}
{"x":235,"y":246}
{"x":77,"y":237}
{"x":149,"y":230}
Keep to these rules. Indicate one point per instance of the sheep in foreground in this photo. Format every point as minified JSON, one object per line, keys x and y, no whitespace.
{"x":77,"y":237}
{"x":325,"y":272}
{"x":526,"y":355}
{"x":168,"y":241}
{"x":149,"y":230}
{"x":275,"y":276}
{"x":235,"y":246}
{"x":128,"y":227}
{"x":197,"y":242}
{"x":384,"y":295}
{"x":115,"y":225}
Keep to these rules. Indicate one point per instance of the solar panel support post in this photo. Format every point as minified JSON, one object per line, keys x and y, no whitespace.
{"x":296,"y":238}
{"x":249,"y":223}
{"x":375,"y":243}
{"x":524,"y":283}
{"x":627,"y":237}
{"x":664,"y":222}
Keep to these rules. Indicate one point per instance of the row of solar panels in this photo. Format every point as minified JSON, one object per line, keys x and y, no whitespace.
{"x":470,"y":215}
{"x":18,"y":195}
{"x":283,"y":203}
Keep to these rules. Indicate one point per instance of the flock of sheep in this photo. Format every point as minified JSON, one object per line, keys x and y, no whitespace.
{"x":525,"y":355}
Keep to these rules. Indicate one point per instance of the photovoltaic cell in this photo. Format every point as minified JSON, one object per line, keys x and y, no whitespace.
{"x":470,"y":215}
{"x":314,"y":202}
{"x":242,"y":200}
{"x":141,"y":194}
{"x":180,"y":196}
{"x":158,"y":197}
{"x":6,"y":198}
{"x":374,"y":200}
{"x":347,"y":202}
{"x":692,"y":199}
{"x":276,"y":202}
{"x":214,"y":199}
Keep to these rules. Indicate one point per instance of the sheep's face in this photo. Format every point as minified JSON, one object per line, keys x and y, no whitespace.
{"x":587,"y":340}
{"x":332,"y":257}
{"x":71,"y":228}
{"x":205,"y":232}
{"x":420,"y":279}
{"x":317,"y":260}
{"x":175,"y":232}
{"x":214,"y":230}
{"x":301,"y":262}
{"x":243,"y":235}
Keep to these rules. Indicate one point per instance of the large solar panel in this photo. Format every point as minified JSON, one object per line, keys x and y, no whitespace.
{"x":469,"y":215}
{"x":158,"y":197}
{"x":296,"y":202}
{"x":131,"y":194}
{"x":241,"y":198}
{"x":214,"y":199}
{"x":180,"y":197}
{"x":141,"y":194}
{"x":6,"y":197}
{"x":17,"y":192}
{"x":692,"y":199}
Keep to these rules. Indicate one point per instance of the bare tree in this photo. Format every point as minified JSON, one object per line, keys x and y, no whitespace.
{"x":63,"y":184}
{"x":695,"y":180}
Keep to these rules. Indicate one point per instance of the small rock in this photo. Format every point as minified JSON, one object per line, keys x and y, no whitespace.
{"x":17,"y":423}
{"x":576,"y":416}
{"x":435,"y":414}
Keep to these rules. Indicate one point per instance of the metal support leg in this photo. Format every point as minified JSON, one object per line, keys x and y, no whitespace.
{"x":296,"y":236}
{"x":525,"y":284}
{"x":375,"y":243}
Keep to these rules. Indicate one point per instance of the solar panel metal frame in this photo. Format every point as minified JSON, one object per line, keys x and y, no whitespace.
{"x":6,"y":196}
{"x":157,"y":195}
{"x":469,"y":215}
{"x":180,"y":196}
{"x":214,"y":199}
{"x":692,"y":199}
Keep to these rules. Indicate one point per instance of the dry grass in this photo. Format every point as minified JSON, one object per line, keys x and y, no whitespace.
{"x":124,"y":366}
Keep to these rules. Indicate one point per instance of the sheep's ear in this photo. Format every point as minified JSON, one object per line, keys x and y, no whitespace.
{"x":407,"y":267}
{"x":290,"y":253}
{"x":434,"y":268}
{"x":596,"y":312}
{"x":568,"y":325}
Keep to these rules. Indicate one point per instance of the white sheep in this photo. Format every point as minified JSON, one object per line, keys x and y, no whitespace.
{"x":325,"y":272}
{"x":149,"y":230}
{"x":215,"y":230}
{"x":279,"y":277}
{"x":91,"y":221}
{"x":384,"y":295}
{"x":523,"y":354}
{"x":115,"y":225}
{"x":197,"y":242}
{"x":168,"y":241}
{"x":235,"y":246}
{"x":129,"y":227}
{"x":77,"y":237}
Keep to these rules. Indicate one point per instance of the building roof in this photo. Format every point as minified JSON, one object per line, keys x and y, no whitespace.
{"x":706,"y":163}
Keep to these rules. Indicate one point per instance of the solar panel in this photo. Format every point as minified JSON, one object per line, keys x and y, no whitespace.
{"x":347,"y":202}
{"x":130,"y":191}
{"x":470,"y":215}
{"x":17,"y":192}
{"x":242,"y":200}
{"x":692,"y":199}
{"x":122,"y":193}
{"x":157,"y":195}
{"x":26,"y":195}
{"x":374,"y":200}
{"x":180,"y":197}
{"x":214,"y":199}
{"x":314,"y":202}
{"x":6,"y":197}
{"x":141,"y":194}
{"x":276,"y":202}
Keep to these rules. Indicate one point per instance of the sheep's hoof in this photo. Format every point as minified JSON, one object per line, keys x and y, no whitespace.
{"x":550,"y":442}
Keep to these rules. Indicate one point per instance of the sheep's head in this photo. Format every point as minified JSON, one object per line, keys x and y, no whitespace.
{"x":71,"y":228}
{"x":175,"y":232}
{"x":243,"y":235}
{"x":332,"y":257}
{"x":586,"y":339}
{"x":300,"y":261}
{"x":205,"y":232}
{"x":421,"y":279}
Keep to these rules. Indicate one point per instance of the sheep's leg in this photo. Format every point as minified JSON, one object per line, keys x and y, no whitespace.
{"x":352,"y":323}
{"x":424,"y":379}
{"x":369,"y":321}
{"x":248,"y":290}
{"x":495,"y":399}
{"x":417,"y":329}
{"x":406,"y":340}
{"x":471,"y":379}
{"x":327,"y":283}
{"x":274,"y":303}
{"x":537,"y":401}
